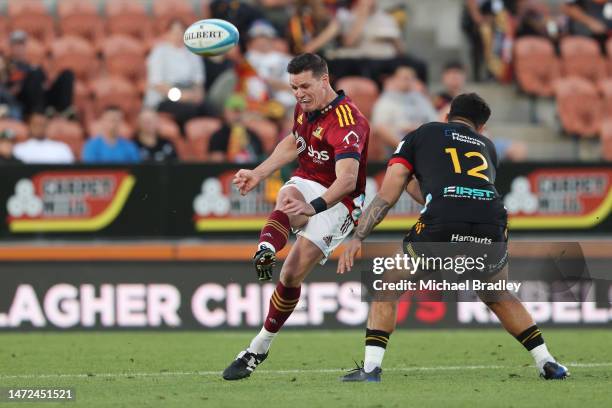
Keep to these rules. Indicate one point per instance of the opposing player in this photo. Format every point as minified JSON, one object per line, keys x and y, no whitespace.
{"x":320,"y":203}
{"x":455,"y":168}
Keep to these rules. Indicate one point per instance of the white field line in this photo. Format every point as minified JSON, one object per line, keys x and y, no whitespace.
{"x":274,"y":372}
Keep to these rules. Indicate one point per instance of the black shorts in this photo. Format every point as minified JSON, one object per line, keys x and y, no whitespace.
{"x":486,"y":243}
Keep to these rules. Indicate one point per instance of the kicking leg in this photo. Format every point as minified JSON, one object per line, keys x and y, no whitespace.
{"x":519,"y":323}
{"x":275,"y":233}
{"x":301,"y":260}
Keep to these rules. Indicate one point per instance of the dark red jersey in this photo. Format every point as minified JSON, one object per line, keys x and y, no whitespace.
{"x":337,"y":132}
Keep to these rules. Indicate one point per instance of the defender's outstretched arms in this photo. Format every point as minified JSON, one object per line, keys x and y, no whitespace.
{"x":285,"y":152}
{"x":345,"y":183}
{"x":394,"y":184}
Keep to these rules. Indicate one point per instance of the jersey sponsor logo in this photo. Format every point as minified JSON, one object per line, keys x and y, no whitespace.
{"x":300,"y":119}
{"x":470,"y":238}
{"x":463,"y":138}
{"x":468,"y":192}
{"x":318,"y":156}
{"x":351,"y":138}
{"x":318,"y":133}
{"x":345,"y":115}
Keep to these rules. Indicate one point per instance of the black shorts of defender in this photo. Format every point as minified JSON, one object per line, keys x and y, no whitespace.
{"x":485,"y":244}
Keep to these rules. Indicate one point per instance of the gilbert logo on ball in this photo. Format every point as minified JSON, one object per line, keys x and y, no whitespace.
{"x":211,"y":37}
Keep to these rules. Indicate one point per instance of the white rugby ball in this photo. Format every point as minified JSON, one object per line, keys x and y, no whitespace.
{"x":211,"y":37}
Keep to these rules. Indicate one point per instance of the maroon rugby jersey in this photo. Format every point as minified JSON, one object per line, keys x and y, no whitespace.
{"x":323,"y":137}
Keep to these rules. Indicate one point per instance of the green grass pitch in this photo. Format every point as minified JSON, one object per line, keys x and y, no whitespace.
{"x":422,"y":369}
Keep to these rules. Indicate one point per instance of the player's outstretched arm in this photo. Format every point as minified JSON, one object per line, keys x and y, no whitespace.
{"x":285,"y":152}
{"x":394,"y":183}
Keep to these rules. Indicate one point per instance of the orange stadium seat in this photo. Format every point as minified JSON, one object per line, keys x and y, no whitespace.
{"x":266,"y":131}
{"x":363,"y":91}
{"x":606,"y":139}
{"x":117,"y":91}
{"x":580,"y":56}
{"x":80,"y":18}
{"x":164,"y":11}
{"x":32,"y":17}
{"x":579,"y":106}
{"x":36,"y":53}
{"x":184,"y":150}
{"x":129,"y":18}
{"x":68,"y":132}
{"x":74,"y":53}
{"x":124,"y":56}
{"x":20,"y":129}
{"x":63,"y":129}
{"x":536,"y":65}
{"x":198,"y":132}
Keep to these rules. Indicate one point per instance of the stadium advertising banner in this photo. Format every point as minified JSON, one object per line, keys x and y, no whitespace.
{"x":199,"y":200}
{"x":225,"y":295}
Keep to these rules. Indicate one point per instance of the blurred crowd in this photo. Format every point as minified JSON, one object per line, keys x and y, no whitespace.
{"x":115,"y":84}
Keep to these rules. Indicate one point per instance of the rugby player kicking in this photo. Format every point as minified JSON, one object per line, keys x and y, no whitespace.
{"x":455,"y":169}
{"x":320,"y":203}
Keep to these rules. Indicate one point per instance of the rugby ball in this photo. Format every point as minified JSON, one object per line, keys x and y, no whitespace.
{"x":211,"y":37}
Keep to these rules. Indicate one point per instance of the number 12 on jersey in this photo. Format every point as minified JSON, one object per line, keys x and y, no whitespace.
{"x":474,"y":171}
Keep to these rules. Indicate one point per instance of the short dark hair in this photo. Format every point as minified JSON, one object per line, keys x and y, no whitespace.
{"x":308,"y":62}
{"x":471,"y":107}
{"x":454,"y":65}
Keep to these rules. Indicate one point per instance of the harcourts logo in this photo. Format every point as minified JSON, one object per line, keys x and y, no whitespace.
{"x":318,"y":156}
{"x":470,"y":238}
{"x":468,"y":192}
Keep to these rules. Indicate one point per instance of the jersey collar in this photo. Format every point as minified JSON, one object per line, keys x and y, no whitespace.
{"x":314,"y":115}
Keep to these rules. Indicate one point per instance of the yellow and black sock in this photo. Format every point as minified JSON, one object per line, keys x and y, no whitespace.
{"x":377,"y":338}
{"x":531,"y":338}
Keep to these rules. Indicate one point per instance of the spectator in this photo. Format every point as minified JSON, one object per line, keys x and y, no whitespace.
{"x":591,"y":18}
{"x":311,"y":29}
{"x":400,"y":109}
{"x":239,"y":13}
{"x":371,"y":43}
{"x":453,"y":80}
{"x":40,"y":150}
{"x":7,"y":144}
{"x":508,"y":149}
{"x":31,"y":87}
{"x":110,"y":146}
{"x":234,"y":143}
{"x":151,"y":146}
{"x":269,"y":64}
{"x":9,"y":107}
{"x":175,"y":78}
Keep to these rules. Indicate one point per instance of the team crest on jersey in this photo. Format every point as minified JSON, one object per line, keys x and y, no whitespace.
{"x":300,"y":119}
{"x":317,"y":133}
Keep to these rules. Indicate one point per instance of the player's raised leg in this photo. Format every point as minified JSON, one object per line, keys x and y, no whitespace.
{"x":275,"y":233}
{"x":302,"y":258}
{"x":518,"y":322}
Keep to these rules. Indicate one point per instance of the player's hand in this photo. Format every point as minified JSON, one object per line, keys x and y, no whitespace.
{"x":293,"y":206}
{"x":246,"y":180}
{"x":347,"y":259}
